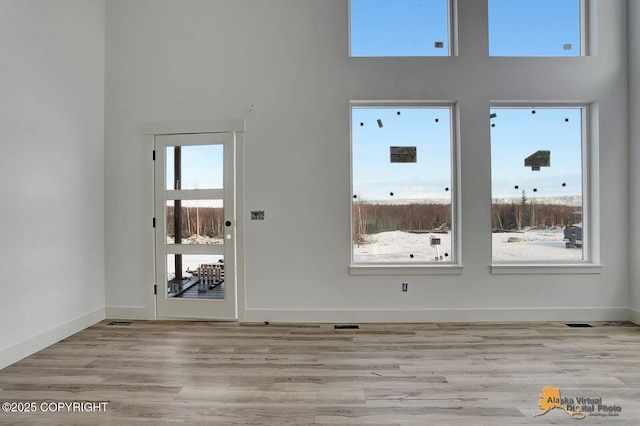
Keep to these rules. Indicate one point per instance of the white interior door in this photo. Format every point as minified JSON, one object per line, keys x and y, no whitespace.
{"x":195,"y":237}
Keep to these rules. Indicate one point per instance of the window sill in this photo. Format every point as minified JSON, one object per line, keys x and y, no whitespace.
{"x":389,"y":269}
{"x":546,"y":268}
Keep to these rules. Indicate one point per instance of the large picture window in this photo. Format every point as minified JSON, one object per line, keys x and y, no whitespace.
{"x":538,"y":184}
{"x":400,"y":28}
{"x":403,"y":186}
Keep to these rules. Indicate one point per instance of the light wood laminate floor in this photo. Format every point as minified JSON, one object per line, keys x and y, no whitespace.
{"x":425,"y":374}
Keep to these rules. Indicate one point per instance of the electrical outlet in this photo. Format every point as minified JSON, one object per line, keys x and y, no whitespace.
{"x":405,"y":287}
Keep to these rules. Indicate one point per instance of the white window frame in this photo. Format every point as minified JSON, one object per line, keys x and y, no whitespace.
{"x":590,"y":262}
{"x":452,"y":34}
{"x":455,"y":265}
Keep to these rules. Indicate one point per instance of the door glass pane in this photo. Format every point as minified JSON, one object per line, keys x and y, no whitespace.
{"x":199,"y":276}
{"x":201,"y":221}
{"x":198,"y":167}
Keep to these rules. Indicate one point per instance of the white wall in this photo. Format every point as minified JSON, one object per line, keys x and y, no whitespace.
{"x":634,"y":158}
{"x":51,"y":171}
{"x":197,"y":59}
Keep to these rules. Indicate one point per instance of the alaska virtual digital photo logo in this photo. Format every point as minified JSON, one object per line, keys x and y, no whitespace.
{"x":576,"y":408}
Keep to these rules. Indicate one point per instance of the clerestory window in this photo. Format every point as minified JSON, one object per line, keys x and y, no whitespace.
{"x":401,"y":28}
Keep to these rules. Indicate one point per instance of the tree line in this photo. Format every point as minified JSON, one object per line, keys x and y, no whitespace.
{"x":526,"y":213}
{"x":369,"y":218}
{"x":196,"y":221}
{"x":372,"y":218}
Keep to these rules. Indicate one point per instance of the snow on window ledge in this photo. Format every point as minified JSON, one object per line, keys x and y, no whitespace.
{"x":575,"y":268}
{"x":388,"y":269}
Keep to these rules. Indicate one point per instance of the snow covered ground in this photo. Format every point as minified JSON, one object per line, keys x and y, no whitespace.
{"x":197,"y":239}
{"x":536,"y":244}
{"x":398,"y":246}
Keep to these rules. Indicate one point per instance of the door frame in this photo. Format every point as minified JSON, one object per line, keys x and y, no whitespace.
{"x":151,"y":130}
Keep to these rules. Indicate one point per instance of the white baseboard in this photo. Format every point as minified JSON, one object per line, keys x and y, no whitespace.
{"x":126,"y":313}
{"x":438,"y":315}
{"x":634,"y":316}
{"x":36,"y":343}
